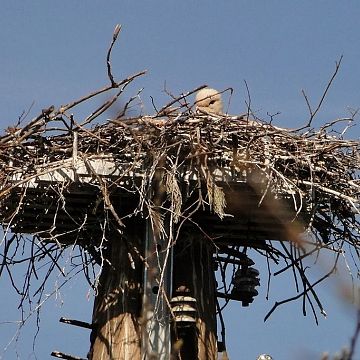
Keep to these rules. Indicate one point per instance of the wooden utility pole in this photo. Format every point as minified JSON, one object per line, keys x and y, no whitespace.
{"x":119,"y":322}
{"x":117,"y":307}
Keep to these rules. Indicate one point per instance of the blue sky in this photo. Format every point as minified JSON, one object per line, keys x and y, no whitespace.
{"x":54,"y":52}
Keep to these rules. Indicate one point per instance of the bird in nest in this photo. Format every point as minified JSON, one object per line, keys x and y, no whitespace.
{"x":209,"y":100}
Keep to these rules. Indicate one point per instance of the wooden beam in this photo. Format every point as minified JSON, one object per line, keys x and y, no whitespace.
{"x":82,"y":324}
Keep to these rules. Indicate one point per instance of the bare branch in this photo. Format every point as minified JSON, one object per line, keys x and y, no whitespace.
{"x":314,"y":112}
{"x":115,"y":36}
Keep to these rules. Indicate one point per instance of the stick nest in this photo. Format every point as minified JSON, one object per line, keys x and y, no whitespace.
{"x":175,"y":163}
{"x":317,"y":168}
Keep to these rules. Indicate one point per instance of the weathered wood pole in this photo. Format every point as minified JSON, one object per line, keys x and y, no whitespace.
{"x":117,"y":306}
{"x":194,"y":275}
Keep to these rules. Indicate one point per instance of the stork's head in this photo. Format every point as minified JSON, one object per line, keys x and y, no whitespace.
{"x":209,"y":100}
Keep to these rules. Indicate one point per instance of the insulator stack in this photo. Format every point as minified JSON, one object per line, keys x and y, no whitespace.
{"x":184,"y":310}
{"x":245,"y":279}
{"x":264,"y":357}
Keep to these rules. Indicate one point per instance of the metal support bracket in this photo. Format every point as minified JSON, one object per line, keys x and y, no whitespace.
{"x":156,"y":339}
